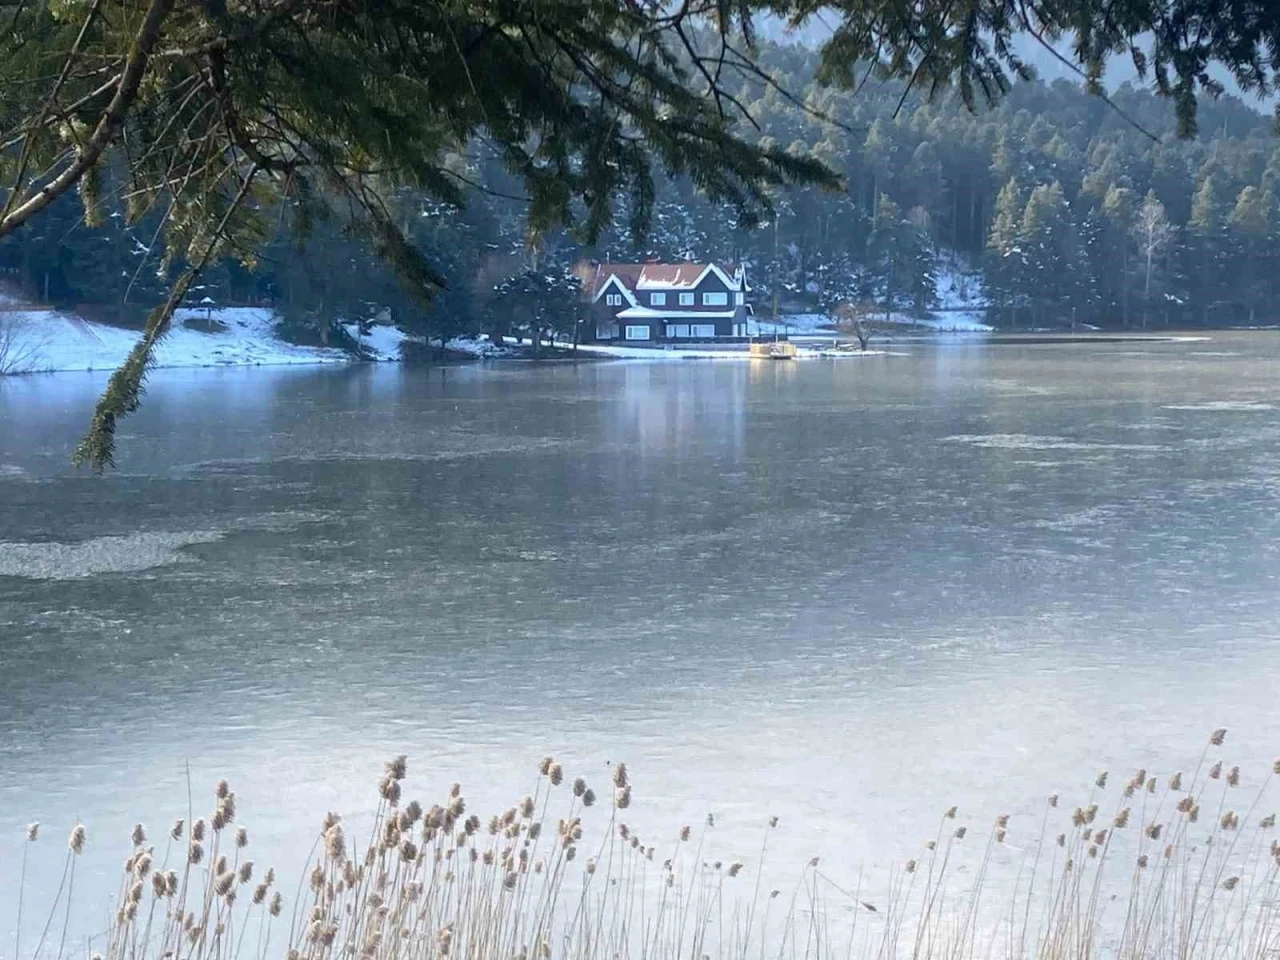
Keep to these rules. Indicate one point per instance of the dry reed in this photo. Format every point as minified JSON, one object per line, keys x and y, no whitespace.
{"x":1149,"y":881}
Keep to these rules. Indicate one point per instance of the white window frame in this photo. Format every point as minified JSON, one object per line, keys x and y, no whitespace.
{"x":613,"y":299}
{"x":677,"y":331}
{"x":739,"y":299}
{"x":607,"y":331}
{"x":657,"y":299}
{"x":715,"y":298}
{"x":686,"y":299}
{"x":702,"y":331}
{"x":633,"y":334}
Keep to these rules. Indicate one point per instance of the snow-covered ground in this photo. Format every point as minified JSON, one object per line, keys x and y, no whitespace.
{"x":380,"y":343}
{"x":46,"y":341}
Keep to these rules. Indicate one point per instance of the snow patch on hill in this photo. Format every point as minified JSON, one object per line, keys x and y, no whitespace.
{"x":46,"y":341}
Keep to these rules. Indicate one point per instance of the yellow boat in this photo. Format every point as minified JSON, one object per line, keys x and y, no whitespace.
{"x":774,"y":350}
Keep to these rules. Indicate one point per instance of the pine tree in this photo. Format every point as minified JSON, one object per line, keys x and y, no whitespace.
{"x":1005,"y":260}
{"x":1250,"y":229}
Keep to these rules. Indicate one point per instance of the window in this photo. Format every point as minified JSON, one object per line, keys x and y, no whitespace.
{"x":719,"y":299}
{"x":703,"y":331}
{"x":686,"y":299}
{"x":640,"y":332}
{"x":606,"y":332}
{"x":657,"y":299}
{"x":613,"y":299}
{"x":739,"y":299}
{"x":675,"y":330}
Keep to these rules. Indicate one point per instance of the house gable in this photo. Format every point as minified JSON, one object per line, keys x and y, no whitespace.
{"x":613,"y":284}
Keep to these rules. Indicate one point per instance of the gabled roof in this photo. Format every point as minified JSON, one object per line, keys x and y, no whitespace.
{"x":666,"y":276}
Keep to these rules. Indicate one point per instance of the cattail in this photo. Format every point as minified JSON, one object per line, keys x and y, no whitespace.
{"x":1229,"y":820}
{"x":135,"y":892}
{"x":175,"y":832}
{"x":960,"y":832}
{"x":930,"y":845}
{"x":77,"y":838}
{"x":227,"y":807}
{"x":773,"y":821}
{"x":335,"y":843}
{"x":1077,"y":817}
{"x":544,"y":768}
{"x":197,"y":830}
{"x":171,"y":883}
{"x":950,"y":814}
{"x":684,"y":833}
{"x":534,"y":831}
{"x":397,"y":768}
{"x":1151,"y":786}
{"x":1194,"y":815}
{"x":389,"y":789}
{"x":246,"y":871}
{"x":589,"y":798}
{"x":1090,"y":812}
{"x":1061,"y":840}
{"x":1153,"y":830}
{"x":1000,"y":835}
{"x":526,"y":808}
{"x":223,"y":883}
{"x":1101,"y":781}
{"x":511,"y":879}
{"x":457,"y":805}
{"x":139,"y":835}
{"x":242,"y":837}
{"x":1175,"y":782}
{"x":260,"y":893}
{"x":217,"y":820}
{"x":711,"y":819}
{"x":579,"y":787}
{"x":570,"y":852}
{"x":317,"y":878}
{"x":1093,"y":850}
{"x":1218,"y":736}
{"x":408,"y":851}
{"x":159,"y":888}
{"x":590,"y":865}
{"x":220,"y":865}
{"x":349,"y":874}
{"x":1215,"y":771}
{"x":910,"y":866}
{"x":1275,"y":767}
{"x":1122,"y":819}
{"x":1233,"y":777}
{"x":1267,"y":822}
{"x":1186,"y":803}
{"x":1142,"y":862}
{"x":622,"y":797}
{"x":33,"y":831}
{"x":1100,"y":838}
{"x":142,"y":866}
{"x":1229,"y":884}
{"x":276,"y":903}
{"x":1168,"y":851}
{"x":735,"y":869}
{"x":221,"y":789}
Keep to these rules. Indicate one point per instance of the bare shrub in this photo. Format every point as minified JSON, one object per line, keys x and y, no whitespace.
{"x":19,"y":347}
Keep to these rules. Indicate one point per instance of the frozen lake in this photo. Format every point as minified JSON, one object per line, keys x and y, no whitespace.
{"x":846,"y":593}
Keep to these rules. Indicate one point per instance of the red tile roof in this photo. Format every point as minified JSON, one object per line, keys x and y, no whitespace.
{"x":655,"y":275}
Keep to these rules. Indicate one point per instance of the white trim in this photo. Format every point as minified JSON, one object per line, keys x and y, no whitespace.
{"x":638,"y":336}
{"x":708,"y":302}
{"x":687,"y":299}
{"x":658,"y":298}
{"x":613,"y":279}
{"x":704,"y":331}
{"x":647,"y":313}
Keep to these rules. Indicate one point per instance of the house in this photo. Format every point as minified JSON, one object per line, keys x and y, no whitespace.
{"x":666,"y":302}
